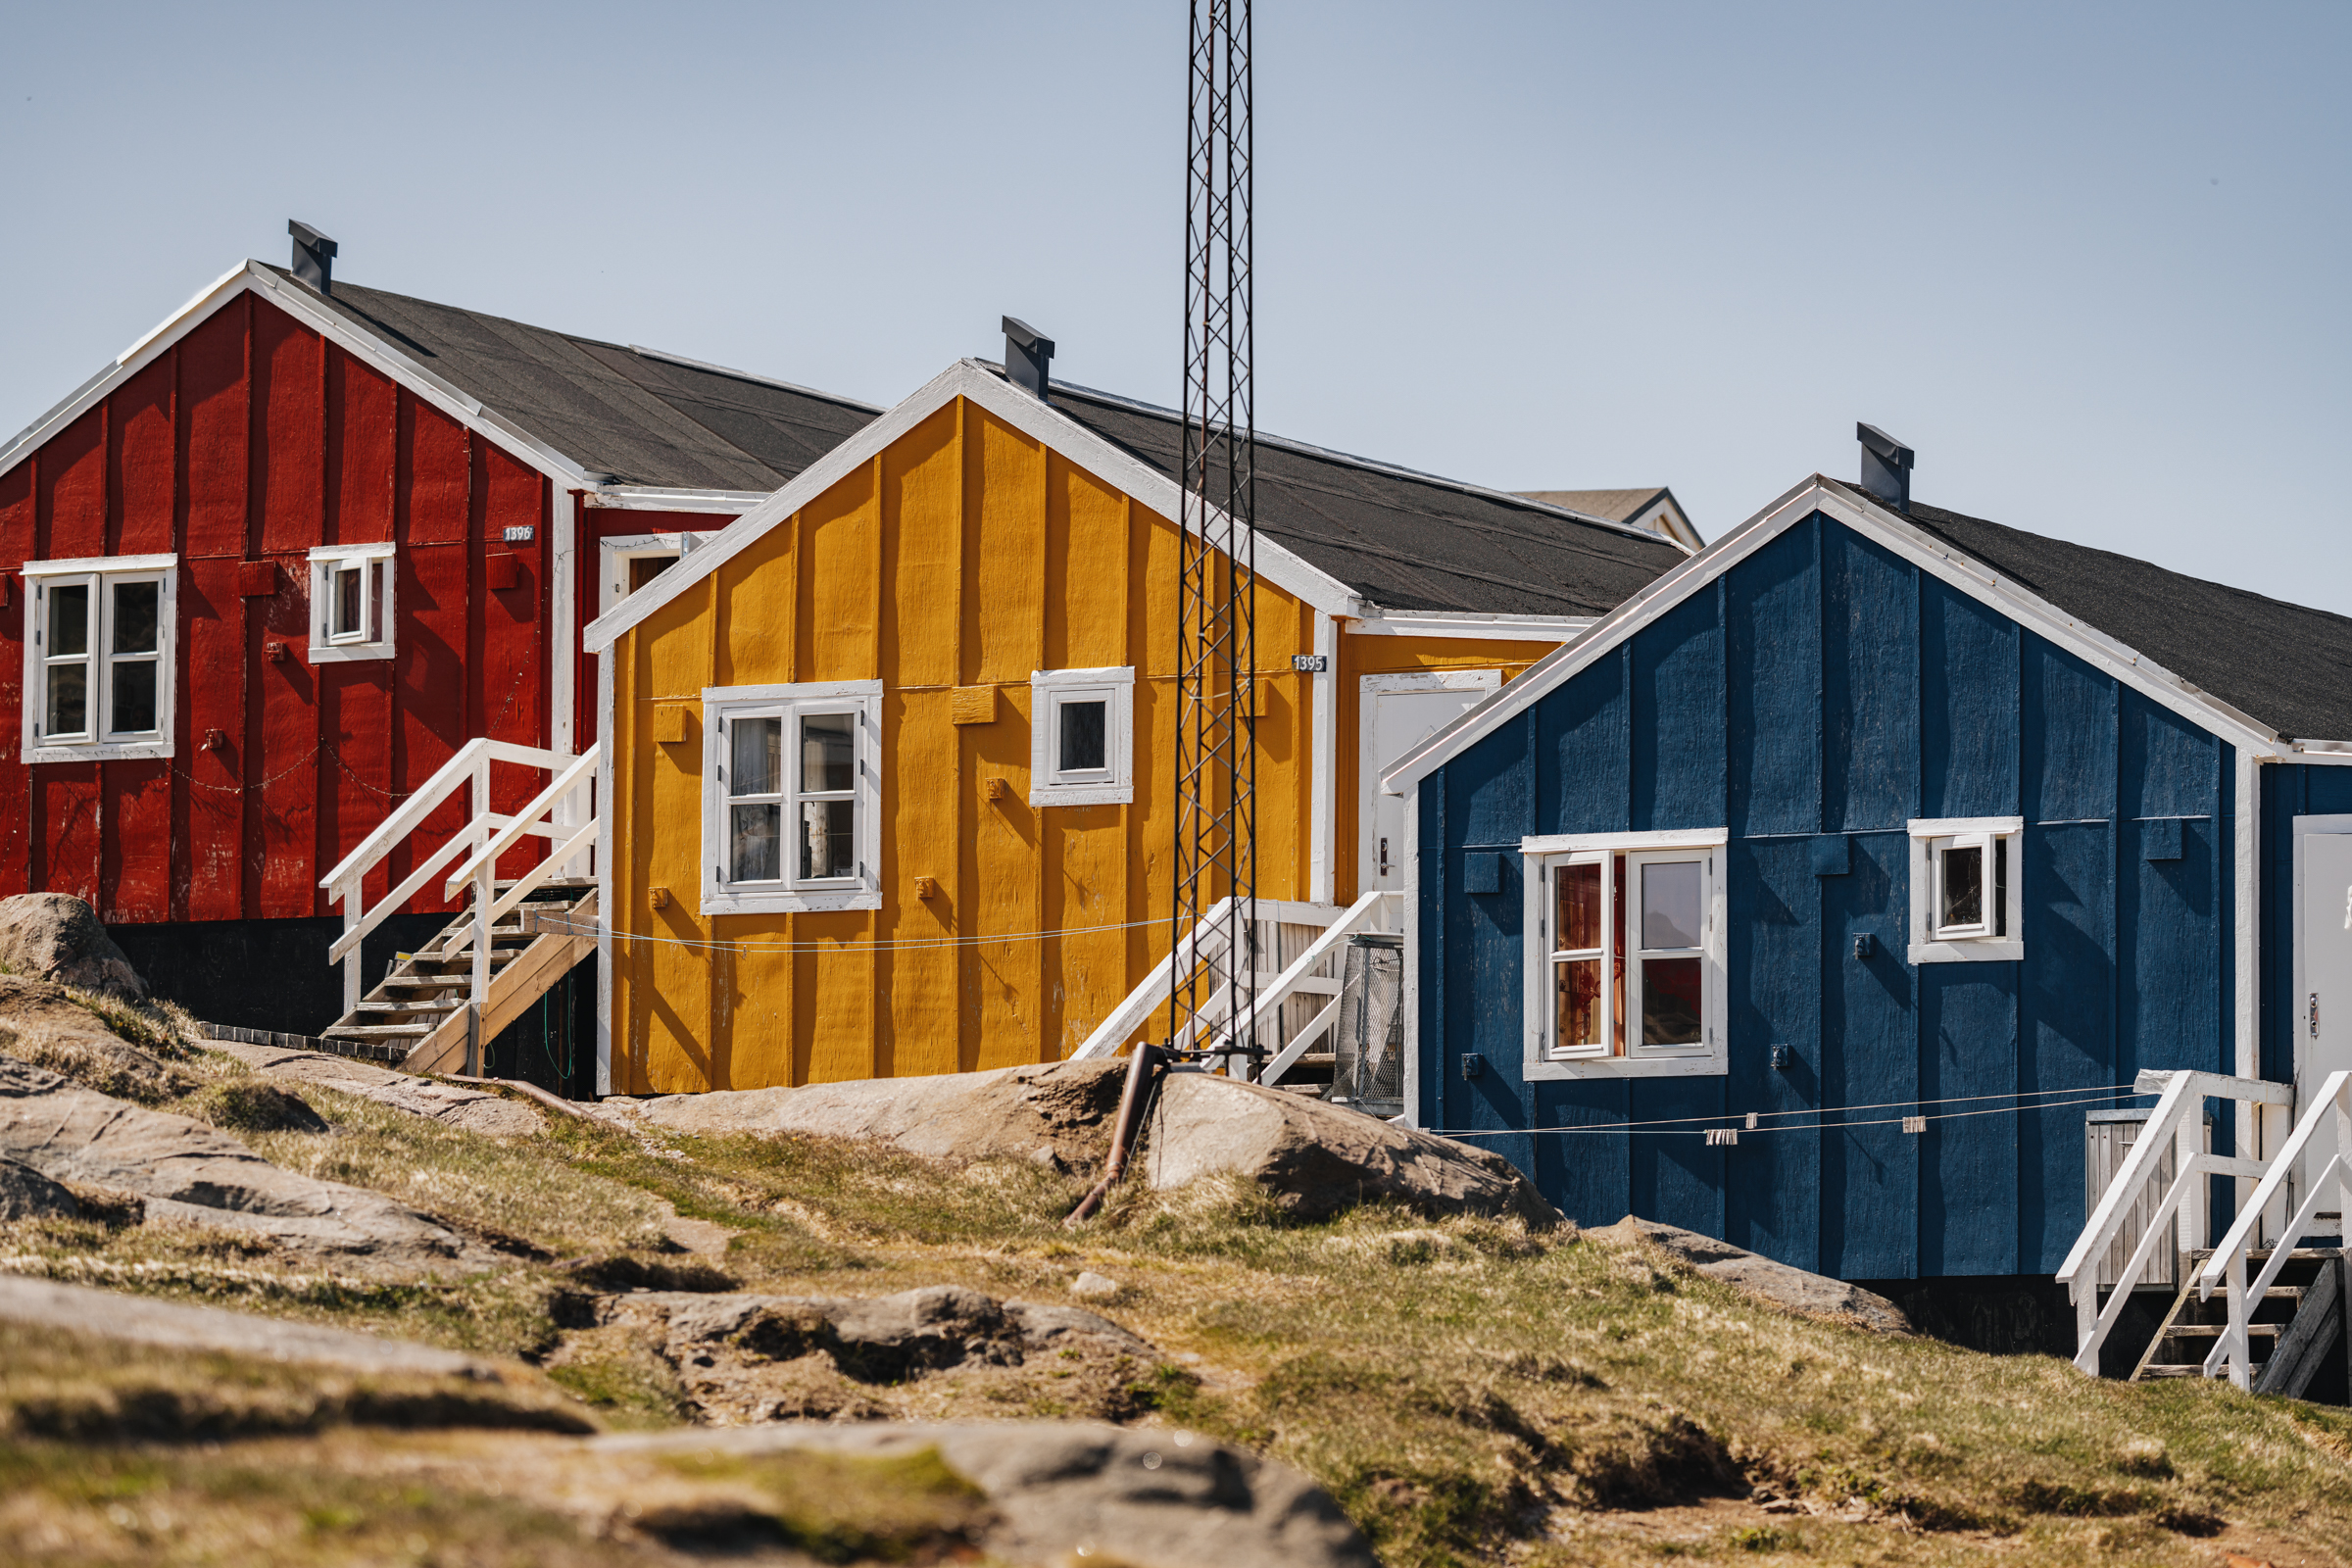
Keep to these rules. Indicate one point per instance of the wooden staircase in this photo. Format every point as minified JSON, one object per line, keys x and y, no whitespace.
{"x":2289,"y":1336}
{"x":424,"y":1003}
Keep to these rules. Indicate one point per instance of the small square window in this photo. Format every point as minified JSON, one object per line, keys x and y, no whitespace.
{"x":1081,"y":737}
{"x":98,"y":658}
{"x":1965,"y":900}
{"x":352,"y":589}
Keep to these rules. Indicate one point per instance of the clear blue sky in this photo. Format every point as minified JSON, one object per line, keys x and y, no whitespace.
{"x":2089,"y":260}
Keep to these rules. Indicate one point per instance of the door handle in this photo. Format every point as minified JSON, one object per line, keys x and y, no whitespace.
{"x":1384,"y":856}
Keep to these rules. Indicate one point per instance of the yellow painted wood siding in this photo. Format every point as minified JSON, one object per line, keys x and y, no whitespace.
{"x":964,"y":556}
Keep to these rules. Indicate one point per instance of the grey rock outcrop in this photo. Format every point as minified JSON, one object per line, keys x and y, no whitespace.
{"x":55,"y":936}
{"x":43,"y":1024}
{"x":743,"y":1357}
{"x":1319,"y":1159}
{"x":189,"y":1172}
{"x":452,"y":1105}
{"x":1067,"y":1492}
{"x":1780,"y":1284}
{"x":26,"y":1194}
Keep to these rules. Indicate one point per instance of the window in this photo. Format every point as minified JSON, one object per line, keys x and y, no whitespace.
{"x":351,"y":602}
{"x":98,"y":662}
{"x":792,"y":797}
{"x":627,"y":563}
{"x":1081,"y":737}
{"x":1965,"y":900}
{"x":1626,"y":971}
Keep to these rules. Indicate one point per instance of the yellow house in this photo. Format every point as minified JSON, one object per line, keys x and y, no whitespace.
{"x":888,"y":787}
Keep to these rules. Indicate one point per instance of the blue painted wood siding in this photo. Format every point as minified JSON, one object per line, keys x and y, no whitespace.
{"x":1823,"y":686}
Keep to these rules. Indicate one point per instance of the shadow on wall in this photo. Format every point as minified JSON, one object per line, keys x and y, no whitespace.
{"x":263,"y":974}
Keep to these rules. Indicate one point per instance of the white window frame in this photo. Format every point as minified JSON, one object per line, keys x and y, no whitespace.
{"x":1929,"y":945}
{"x":1113,"y":784}
{"x":790,"y":894}
{"x":101,"y":573}
{"x":375,"y":639}
{"x":1538,"y":855}
{"x":615,"y":554}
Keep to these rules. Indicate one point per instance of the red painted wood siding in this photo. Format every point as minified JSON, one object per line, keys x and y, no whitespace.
{"x":253,"y":440}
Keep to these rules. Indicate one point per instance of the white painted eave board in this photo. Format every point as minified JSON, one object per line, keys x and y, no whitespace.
{"x":1923,"y":549}
{"x":1040,"y":422}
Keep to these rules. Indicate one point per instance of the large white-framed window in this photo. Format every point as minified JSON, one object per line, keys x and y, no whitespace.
{"x":792,"y":797}
{"x":351,"y":602}
{"x":1967,"y":889}
{"x":1625,"y":953}
{"x":1082,"y":737}
{"x":100,"y":666}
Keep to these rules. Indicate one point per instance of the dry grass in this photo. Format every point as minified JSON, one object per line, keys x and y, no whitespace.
{"x":1470,"y":1392}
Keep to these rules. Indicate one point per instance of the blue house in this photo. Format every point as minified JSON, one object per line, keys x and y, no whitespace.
{"x":1813,"y":897}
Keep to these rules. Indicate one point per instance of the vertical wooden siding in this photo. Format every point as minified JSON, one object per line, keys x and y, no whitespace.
{"x":964,"y":555}
{"x":1823,"y":686}
{"x":253,"y":440}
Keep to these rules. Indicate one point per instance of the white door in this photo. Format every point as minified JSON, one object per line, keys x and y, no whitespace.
{"x":2323,"y":966}
{"x":1399,"y":712}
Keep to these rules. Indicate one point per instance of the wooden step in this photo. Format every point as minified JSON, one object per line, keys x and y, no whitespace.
{"x":371,"y":1031}
{"x":2208,"y":1331}
{"x":2167,"y":1370}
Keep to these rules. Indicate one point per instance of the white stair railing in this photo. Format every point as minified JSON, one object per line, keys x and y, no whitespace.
{"x":2181,"y":1217}
{"x":2232,"y":1351}
{"x":487,"y":833}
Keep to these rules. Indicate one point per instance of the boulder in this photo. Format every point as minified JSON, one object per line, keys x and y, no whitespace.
{"x":188,"y":1170}
{"x":1075,"y":1493}
{"x":1318,"y":1160}
{"x":1778,"y":1284}
{"x":55,"y":936}
{"x":26,"y":1194}
{"x":450,"y":1103}
{"x":745,"y":1356}
{"x":1055,"y":1112}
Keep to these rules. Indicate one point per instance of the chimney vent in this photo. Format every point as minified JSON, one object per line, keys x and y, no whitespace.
{"x":1028,"y":354}
{"x":314,"y":257}
{"x":1885,"y":466}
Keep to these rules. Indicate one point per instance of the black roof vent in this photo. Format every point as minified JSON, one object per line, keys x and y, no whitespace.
{"x":1027,"y":355}
{"x":314,"y":257}
{"x":1885,"y":466}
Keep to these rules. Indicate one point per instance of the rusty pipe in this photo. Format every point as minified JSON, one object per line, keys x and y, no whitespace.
{"x":1144,"y":1065}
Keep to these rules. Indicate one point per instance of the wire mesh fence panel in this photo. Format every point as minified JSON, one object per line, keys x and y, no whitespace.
{"x":1368,"y":1072}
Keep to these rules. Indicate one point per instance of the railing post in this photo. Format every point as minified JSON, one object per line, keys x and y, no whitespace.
{"x":2239,"y":1341}
{"x":2191,"y":1229}
{"x":352,"y":981}
{"x":2087,"y":1320}
{"x":2343,"y":1168}
{"x":485,"y":894}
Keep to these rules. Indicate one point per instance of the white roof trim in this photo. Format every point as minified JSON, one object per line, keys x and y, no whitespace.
{"x":299,"y":302}
{"x":1040,"y":420}
{"x":1931,"y":555}
{"x":1464,"y":623}
{"x":652,"y":498}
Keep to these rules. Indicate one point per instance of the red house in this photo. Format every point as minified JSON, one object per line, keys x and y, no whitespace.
{"x":269,"y":568}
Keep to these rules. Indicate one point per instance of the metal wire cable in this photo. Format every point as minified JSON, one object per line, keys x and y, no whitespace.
{"x":909,"y":944}
{"x":1734,"y":1121}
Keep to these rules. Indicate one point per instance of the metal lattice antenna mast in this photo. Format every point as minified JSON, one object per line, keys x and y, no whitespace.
{"x":1216,"y":806}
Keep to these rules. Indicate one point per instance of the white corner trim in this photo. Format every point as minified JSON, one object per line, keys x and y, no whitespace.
{"x":1816,"y":494}
{"x":604,"y":908}
{"x":1038,"y":421}
{"x":1492,"y":628}
{"x":2246,"y":905}
{"x":1410,"y":997}
{"x":1323,"y":800}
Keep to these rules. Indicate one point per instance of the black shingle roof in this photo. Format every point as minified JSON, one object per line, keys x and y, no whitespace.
{"x":1408,"y":541}
{"x":644,"y":418}
{"x":2287,"y":665}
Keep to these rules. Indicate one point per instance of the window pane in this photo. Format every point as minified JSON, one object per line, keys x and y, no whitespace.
{"x":136,"y":604}
{"x":1670,"y":1002}
{"x":68,"y":699}
{"x":375,"y":601}
{"x":645,"y":568}
{"x":1576,"y":989}
{"x":826,"y":835}
{"x":70,"y":620}
{"x":2000,"y":887}
{"x":828,"y":754}
{"x":756,"y":764}
{"x":134,"y":695}
{"x":1961,"y":887}
{"x":350,"y":605}
{"x":1576,"y":921}
{"x":1083,"y":736}
{"x":1670,"y":904}
{"x":754,"y":843}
